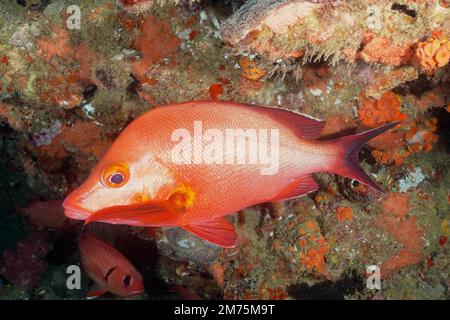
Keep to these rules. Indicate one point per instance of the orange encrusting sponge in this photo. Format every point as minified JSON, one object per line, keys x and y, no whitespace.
{"x":376,"y":112}
{"x":433,"y":53}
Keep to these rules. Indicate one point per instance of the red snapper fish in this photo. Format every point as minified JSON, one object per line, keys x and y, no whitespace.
{"x":191,"y":164}
{"x":108,"y":268}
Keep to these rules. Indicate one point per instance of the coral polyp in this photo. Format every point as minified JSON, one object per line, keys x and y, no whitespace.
{"x":433,"y":54}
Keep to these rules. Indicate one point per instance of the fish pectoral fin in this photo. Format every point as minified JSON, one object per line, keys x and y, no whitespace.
{"x":299,"y":187}
{"x":218,"y":231}
{"x":96,"y":293}
{"x":146,"y":213}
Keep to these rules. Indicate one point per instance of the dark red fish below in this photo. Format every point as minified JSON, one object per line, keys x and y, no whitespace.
{"x":46,"y":214}
{"x":108,"y":268}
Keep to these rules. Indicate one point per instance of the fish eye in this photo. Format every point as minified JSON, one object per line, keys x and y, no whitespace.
{"x":115,"y":176}
{"x":354,"y":183}
{"x":127,"y":281}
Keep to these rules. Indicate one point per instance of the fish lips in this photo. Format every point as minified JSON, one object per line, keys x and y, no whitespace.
{"x":73,"y":211}
{"x":136,"y":292}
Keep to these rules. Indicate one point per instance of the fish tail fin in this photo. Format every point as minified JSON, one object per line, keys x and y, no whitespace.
{"x":348,"y":149}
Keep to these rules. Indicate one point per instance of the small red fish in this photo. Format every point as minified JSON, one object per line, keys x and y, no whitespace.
{"x":46,"y":214}
{"x":109,"y":269}
{"x":191,"y":164}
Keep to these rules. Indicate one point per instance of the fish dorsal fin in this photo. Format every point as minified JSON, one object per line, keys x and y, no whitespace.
{"x":217,"y":231}
{"x":299,"y":187}
{"x":303,"y":126}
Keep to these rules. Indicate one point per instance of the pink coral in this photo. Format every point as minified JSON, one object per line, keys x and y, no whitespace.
{"x":23,"y":265}
{"x":136,"y":6}
{"x":405,"y":230}
{"x":156,"y":42}
{"x":383,"y":50}
{"x":64,"y":90}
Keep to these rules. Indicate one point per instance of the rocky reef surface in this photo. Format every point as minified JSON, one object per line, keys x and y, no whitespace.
{"x":68,"y":86}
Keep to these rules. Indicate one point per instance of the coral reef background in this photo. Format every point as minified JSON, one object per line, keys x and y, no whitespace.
{"x":67,"y":92}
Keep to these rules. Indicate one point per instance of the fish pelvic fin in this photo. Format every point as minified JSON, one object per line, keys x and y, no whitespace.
{"x":93,"y":294}
{"x":217,"y":231}
{"x":348,"y":148}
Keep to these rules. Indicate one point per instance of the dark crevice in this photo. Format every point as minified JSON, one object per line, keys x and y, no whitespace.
{"x":416,"y":87}
{"x":133,"y":86}
{"x":443,"y":118}
{"x":404,"y":9}
{"x":64,"y":245}
{"x":226,"y":7}
{"x":361,"y":47}
{"x":328,"y":290}
{"x":37,"y":5}
{"x":89,"y":92}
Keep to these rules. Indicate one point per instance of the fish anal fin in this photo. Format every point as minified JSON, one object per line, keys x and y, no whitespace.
{"x":303,"y":126}
{"x":96,"y":293}
{"x":299,"y":187}
{"x":217,"y":231}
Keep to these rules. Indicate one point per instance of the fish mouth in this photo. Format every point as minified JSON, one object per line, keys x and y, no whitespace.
{"x":135,"y":292}
{"x":74,"y":212}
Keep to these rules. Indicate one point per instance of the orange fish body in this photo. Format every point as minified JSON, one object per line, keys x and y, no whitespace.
{"x":193,"y":163}
{"x":108,"y":268}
